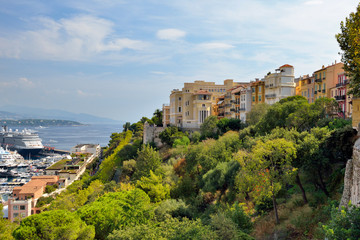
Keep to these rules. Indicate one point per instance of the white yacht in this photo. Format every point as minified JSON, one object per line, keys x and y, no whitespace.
{"x":25,"y":142}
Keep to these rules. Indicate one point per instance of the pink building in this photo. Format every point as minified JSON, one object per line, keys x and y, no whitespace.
{"x":23,"y":199}
{"x":339,"y":92}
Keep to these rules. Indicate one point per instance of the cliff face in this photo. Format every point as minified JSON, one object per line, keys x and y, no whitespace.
{"x":352,"y":178}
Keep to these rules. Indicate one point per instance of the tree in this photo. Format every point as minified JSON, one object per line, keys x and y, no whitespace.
{"x":349,"y":43}
{"x":154,"y":187}
{"x":170,"y":134}
{"x":267,"y":169}
{"x":344,"y":224}
{"x":6,"y":229}
{"x":126,"y":126}
{"x":208,"y":128}
{"x":256,"y":113}
{"x":148,"y":160}
{"x":157,"y":117}
{"x":172,"y":229}
{"x":57,"y":224}
{"x":117,"y":210}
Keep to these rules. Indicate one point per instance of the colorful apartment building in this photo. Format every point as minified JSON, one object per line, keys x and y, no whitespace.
{"x":190,"y":106}
{"x":326,"y":79}
{"x":22,"y":202}
{"x":340,"y":93}
{"x":242,"y":102}
{"x":257,"y":91}
{"x":219,"y":107}
{"x":306,"y":89}
{"x":280,"y":84}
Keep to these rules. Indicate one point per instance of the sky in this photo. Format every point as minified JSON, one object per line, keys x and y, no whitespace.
{"x":120,"y":59}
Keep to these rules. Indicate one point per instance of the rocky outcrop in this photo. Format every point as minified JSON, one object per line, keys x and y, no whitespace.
{"x":352,"y":179}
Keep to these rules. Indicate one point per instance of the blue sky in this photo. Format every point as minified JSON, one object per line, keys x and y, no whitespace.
{"x":121,"y":58}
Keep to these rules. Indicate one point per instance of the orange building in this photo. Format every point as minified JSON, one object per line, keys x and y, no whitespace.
{"x":257,"y":91}
{"x":23,"y":199}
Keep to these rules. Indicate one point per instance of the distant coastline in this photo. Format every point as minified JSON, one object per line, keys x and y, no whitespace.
{"x":39,"y":122}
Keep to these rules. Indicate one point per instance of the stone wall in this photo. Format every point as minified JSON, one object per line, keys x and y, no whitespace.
{"x":151,"y":134}
{"x":352,"y":179}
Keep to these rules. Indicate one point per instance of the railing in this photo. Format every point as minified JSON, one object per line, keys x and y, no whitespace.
{"x":228,"y":105}
{"x":232,"y":109}
{"x":227,"y":97}
{"x":340,"y":98}
{"x":270,"y":95}
{"x":242,"y":109}
{"x":318,"y":80}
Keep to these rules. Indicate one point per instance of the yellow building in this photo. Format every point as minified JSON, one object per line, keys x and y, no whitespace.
{"x":257,"y":91}
{"x":326,"y":79}
{"x":320,"y":83}
{"x":190,"y":106}
{"x":307,"y":84}
{"x":356,"y":113}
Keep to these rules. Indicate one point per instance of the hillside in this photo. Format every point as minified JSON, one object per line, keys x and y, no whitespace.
{"x":230,"y":180}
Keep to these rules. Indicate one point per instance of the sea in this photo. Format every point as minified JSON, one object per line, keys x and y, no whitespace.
{"x":66,"y":137}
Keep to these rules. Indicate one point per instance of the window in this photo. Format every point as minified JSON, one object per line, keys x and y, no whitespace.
{"x":179,"y":109}
{"x":16,"y":215}
{"x":203,"y":105}
{"x":253,"y":98}
{"x":23,"y":215}
{"x":179,"y":98}
{"x":259,"y":88}
{"x":22,"y":207}
{"x":259,"y":98}
{"x":16,"y":207}
{"x":323,"y":74}
{"x":253,"y":90}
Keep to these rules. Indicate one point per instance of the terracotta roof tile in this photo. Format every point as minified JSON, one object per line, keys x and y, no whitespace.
{"x":286,"y":65}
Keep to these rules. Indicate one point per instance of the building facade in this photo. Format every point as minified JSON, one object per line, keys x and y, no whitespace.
{"x":340,"y":93}
{"x":190,"y":106}
{"x":280,"y":84}
{"x":307,"y":85}
{"x":257,"y":91}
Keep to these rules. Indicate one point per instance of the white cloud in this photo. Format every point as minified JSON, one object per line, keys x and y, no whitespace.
{"x":170,"y":34}
{"x":82,"y":93}
{"x":216,"y":45}
{"x":314,"y":2}
{"x":77,"y":38}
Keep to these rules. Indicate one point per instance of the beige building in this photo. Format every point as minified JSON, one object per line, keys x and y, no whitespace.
{"x":280,"y":84}
{"x":166,"y":115}
{"x":190,"y":106}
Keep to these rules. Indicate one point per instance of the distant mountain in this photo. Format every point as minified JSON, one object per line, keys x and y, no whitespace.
{"x":18,"y":112}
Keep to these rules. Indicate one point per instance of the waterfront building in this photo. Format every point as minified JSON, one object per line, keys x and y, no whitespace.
{"x":190,"y":106}
{"x":166,"y":115}
{"x":86,"y":148}
{"x":22,"y":202}
{"x":280,"y":84}
{"x":242,"y":101}
{"x":257,"y":91}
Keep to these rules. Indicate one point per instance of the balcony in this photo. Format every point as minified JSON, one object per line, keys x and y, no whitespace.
{"x":242,"y":109}
{"x":340,"y":84}
{"x":318,"y":80}
{"x":266,"y":86}
{"x":315,"y":92}
{"x":232,"y":109}
{"x":227,"y":113}
{"x":340,"y":98}
{"x":270,"y":95}
{"x":323,"y":91}
{"x":232,"y":101}
{"x":228,"y":105}
{"x":227,"y":97}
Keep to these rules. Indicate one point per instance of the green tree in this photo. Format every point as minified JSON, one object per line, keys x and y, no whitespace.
{"x":208,"y":128}
{"x":6,"y":229}
{"x":256,"y":113}
{"x":344,"y":224}
{"x":157,"y":117}
{"x":117,"y":210}
{"x":126,"y":126}
{"x":267,"y":169}
{"x":349,"y":43}
{"x":148,"y":160}
{"x":58,"y":224}
{"x":154,"y":187}
{"x":170,"y":134}
{"x":172,"y":229}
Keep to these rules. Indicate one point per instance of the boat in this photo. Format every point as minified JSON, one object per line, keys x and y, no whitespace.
{"x":26,"y":142}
